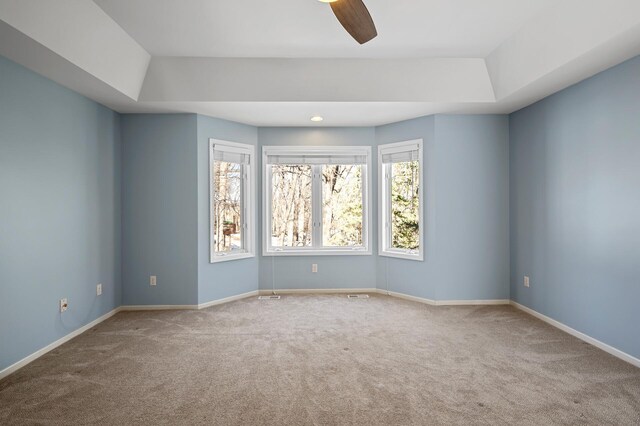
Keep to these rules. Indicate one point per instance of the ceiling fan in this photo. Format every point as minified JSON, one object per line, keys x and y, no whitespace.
{"x":355,"y":18}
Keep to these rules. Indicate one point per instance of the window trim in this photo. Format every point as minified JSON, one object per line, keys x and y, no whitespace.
{"x":249,"y":195}
{"x":384,"y":204}
{"x":316,"y":203}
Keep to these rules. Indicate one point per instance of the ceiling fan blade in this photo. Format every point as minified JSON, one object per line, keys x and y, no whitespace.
{"x":356,"y":19}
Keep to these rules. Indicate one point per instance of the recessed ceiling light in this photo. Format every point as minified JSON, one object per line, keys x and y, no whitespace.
{"x":317,"y":118}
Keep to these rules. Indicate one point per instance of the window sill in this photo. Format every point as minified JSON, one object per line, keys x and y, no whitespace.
{"x":403,"y":255}
{"x":328,"y":252}
{"x":229,"y":257}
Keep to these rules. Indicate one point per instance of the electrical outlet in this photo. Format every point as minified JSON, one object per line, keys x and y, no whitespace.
{"x":526,"y":281}
{"x":152,"y":280}
{"x":99,"y":289}
{"x":314,"y":268}
{"x":63,"y":305}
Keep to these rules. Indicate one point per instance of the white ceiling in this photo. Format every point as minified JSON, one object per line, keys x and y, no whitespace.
{"x":277,"y":63}
{"x":308,"y":29}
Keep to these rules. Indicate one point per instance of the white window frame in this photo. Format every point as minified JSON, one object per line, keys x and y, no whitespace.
{"x":316,"y":203}
{"x":249,"y":195}
{"x":384,"y":202}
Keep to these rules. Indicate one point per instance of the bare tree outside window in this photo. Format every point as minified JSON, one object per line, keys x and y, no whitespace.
{"x":291,"y":225}
{"x":405,"y":205}
{"x":342,"y":210}
{"x":227,"y":205}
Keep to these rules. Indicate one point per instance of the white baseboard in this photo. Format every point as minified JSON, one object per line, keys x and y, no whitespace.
{"x":388,"y":293}
{"x":158,"y":307}
{"x":318,"y":291}
{"x":407,"y":297}
{"x":26,"y":360}
{"x":444,"y":302}
{"x":228,"y":299}
{"x":597,"y":343}
{"x":472,"y":302}
{"x":188,"y":307}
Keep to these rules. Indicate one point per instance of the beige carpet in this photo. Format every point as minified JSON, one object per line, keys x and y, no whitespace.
{"x":324,"y":360}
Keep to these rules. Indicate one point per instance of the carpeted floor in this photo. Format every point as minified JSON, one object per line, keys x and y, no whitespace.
{"x":324,"y":360}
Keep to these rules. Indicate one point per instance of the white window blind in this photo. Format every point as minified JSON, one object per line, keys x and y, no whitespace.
{"x":400,"y":154}
{"x":230,"y":155}
{"x":316,"y":159}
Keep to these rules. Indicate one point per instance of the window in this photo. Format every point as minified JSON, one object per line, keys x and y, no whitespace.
{"x":316,"y":200}
{"x":231,"y":191}
{"x":401,"y":229}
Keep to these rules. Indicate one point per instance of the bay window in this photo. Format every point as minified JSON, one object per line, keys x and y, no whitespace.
{"x":231,"y":193}
{"x":401,"y":200}
{"x":316,"y":200}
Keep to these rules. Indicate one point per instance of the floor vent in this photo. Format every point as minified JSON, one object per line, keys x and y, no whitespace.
{"x":358,"y":296}
{"x":271,"y":297}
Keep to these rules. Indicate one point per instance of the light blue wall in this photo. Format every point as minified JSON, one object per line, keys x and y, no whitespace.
{"x":575,"y":206}
{"x":466,"y":209}
{"x":294,"y":272}
{"x":472,"y":206}
{"x":159,"y":209}
{"x":59,"y":211}
{"x":220,"y":280}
